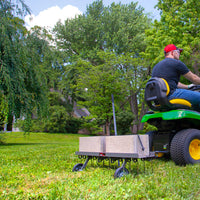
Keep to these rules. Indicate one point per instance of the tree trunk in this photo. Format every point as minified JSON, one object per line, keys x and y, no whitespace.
{"x":10,"y":123}
{"x":144,"y":109}
{"x":134,"y":110}
{"x":137,"y":125}
{"x":107,"y":127}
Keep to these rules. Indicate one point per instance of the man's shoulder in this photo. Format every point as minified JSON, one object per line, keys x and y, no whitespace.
{"x":166,"y":61}
{"x":171,"y":61}
{"x":180,"y":62}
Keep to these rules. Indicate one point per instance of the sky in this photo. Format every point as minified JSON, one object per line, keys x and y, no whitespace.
{"x":46,"y":13}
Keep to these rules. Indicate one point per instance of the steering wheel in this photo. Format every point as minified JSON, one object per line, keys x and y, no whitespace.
{"x":195,"y":88}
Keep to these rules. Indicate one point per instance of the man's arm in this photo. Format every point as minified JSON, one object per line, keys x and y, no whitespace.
{"x":182,"y":86}
{"x":192,"y":77}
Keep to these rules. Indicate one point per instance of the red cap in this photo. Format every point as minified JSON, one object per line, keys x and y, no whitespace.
{"x":171,"y":47}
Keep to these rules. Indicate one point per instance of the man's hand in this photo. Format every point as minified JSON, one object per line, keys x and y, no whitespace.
{"x":191,"y":86}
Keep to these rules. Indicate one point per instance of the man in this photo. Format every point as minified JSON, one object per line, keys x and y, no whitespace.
{"x":171,"y":68}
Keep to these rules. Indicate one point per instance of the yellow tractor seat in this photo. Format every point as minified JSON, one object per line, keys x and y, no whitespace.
{"x":156,"y":92}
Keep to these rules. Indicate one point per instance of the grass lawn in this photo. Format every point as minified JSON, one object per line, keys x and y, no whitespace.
{"x":39,"y":166}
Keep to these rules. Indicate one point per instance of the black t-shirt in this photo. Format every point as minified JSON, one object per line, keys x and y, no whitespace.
{"x":170,"y":69}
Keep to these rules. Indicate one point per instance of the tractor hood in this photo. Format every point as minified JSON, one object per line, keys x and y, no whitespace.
{"x":172,"y":115}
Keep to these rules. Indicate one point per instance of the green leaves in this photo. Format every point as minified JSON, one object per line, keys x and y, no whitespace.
{"x":179,"y":25}
{"x":24,"y":60}
{"x":101,"y":81}
{"x":116,"y":28}
{"x":103,"y":50}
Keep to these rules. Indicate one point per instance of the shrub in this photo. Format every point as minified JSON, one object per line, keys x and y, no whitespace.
{"x":57,"y":119}
{"x":123,"y":121}
{"x":91,"y":125}
{"x":73,"y":125}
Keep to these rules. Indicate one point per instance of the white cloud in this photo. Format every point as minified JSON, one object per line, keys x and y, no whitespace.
{"x":49,"y":17}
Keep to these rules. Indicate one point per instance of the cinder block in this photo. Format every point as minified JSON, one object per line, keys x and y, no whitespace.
{"x":128,"y":144}
{"x":92,"y":144}
{"x":116,"y":144}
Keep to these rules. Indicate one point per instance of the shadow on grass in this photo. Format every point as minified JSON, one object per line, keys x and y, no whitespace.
{"x":23,"y":144}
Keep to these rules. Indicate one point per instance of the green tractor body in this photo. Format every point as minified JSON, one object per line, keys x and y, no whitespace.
{"x":173,"y":120}
{"x":178,"y":127}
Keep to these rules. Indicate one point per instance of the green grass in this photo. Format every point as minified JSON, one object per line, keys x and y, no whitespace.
{"x":39,"y":166}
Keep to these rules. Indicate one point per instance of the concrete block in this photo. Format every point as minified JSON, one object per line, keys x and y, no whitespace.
{"x":92,"y":144}
{"x":128,"y":144}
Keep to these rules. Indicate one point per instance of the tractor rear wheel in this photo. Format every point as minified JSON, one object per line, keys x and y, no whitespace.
{"x":185,"y":147}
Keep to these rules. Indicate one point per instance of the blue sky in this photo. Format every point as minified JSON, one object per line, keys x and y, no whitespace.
{"x":47,"y":12}
{"x":39,"y":5}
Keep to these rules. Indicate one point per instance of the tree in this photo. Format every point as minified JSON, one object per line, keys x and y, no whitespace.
{"x":99,"y":83}
{"x":22,"y":82}
{"x":118,"y":29}
{"x":135,"y":74}
{"x":43,"y":54}
{"x":11,"y":55}
{"x":179,"y":24}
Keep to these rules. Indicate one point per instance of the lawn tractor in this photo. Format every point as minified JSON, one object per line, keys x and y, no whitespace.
{"x":178,"y":126}
{"x":177,"y":134}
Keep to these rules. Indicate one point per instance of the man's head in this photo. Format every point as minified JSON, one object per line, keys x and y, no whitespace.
{"x":172,"y":51}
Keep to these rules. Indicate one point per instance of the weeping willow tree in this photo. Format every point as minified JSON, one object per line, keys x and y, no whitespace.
{"x":22,"y":84}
